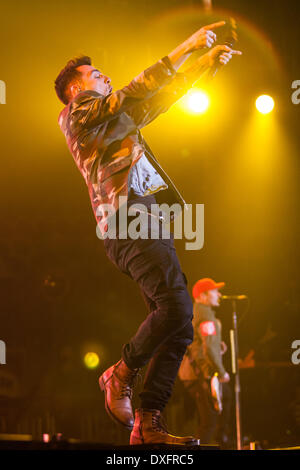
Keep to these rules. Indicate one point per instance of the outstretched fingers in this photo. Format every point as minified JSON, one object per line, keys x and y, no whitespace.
{"x":211,"y":34}
{"x":211,"y":37}
{"x":225,"y":57}
{"x":214,"y":25}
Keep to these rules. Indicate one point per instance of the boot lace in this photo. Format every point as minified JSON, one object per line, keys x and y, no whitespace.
{"x":128,"y":384}
{"x":159,"y":424}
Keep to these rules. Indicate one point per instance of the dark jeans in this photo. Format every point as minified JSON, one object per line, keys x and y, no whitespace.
{"x":163,"y":336}
{"x":212,"y":427}
{"x":208,"y":418}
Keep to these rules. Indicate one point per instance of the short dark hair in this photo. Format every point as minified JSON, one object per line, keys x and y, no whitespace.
{"x":67,"y":75}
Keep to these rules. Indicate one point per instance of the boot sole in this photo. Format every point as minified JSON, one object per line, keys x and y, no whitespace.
{"x":137,"y":441}
{"x":108,"y":411}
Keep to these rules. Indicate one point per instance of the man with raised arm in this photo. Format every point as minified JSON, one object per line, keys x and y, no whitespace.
{"x":102,"y":130}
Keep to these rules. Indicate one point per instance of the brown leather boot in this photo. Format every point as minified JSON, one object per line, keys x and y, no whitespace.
{"x":149,"y":428}
{"x":116,"y":383}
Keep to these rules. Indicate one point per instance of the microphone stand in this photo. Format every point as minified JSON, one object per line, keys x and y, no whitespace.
{"x":235,"y":371}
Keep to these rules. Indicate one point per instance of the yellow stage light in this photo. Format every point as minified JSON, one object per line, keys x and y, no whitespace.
{"x":198,"y":101}
{"x":91,"y":360}
{"x":264,"y":104}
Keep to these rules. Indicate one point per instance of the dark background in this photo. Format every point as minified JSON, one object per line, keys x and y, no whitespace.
{"x":60,"y":296}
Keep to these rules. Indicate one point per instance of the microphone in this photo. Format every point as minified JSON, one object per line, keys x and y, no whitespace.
{"x":229,"y":41}
{"x":234,"y":297}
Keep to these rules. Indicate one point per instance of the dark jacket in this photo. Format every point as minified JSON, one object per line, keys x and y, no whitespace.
{"x":102,"y":132}
{"x":203,"y":357}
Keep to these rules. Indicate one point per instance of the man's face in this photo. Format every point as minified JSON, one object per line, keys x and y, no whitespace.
{"x":214,"y":297}
{"x":93,"y":79}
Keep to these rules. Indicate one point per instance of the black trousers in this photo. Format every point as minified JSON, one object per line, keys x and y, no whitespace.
{"x":212,"y":427}
{"x":162,"y":338}
{"x":208,"y":418}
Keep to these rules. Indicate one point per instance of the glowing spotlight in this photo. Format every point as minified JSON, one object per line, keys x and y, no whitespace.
{"x":264,"y":104}
{"x":198,"y":101}
{"x":91,"y":360}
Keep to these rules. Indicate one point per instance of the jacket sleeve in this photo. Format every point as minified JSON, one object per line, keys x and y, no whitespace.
{"x":89,"y":109}
{"x":148,"y":110}
{"x":211,"y":346}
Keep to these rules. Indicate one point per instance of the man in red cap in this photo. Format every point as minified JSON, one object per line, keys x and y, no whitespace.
{"x":203,"y":359}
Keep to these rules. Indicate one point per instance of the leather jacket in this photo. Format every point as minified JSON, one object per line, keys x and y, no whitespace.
{"x":103,"y":133}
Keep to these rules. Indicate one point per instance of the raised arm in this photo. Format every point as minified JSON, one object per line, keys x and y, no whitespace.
{"x":149,"y":109}
{"x":89,"y":109}
{"x":204,"y":37}
{"x":218,"y":55}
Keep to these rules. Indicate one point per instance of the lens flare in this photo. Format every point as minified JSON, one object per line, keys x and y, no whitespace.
{"x":198,"y":102}
{"x":265,"y":104}
{"x":91,"y":360}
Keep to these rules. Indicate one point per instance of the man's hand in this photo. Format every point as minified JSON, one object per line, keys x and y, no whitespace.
{"x":221,"y":54}
{"x":225,"y":378}
{"x":204,"y":37}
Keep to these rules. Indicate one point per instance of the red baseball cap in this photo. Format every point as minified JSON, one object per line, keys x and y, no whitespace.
{"x":204,"y":285}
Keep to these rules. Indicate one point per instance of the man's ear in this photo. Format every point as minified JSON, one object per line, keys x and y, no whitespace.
{"x":75,"y":89}
{"x":203,"y":297}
